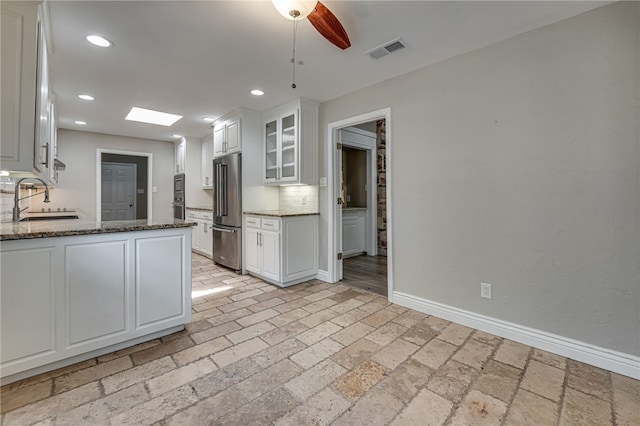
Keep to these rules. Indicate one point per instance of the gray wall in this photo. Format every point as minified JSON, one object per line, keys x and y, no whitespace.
{"x":77,"y":184}
{"x":518,"y":165}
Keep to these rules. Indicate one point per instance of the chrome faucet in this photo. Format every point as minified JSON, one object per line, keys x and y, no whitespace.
{"x":17,"y":199}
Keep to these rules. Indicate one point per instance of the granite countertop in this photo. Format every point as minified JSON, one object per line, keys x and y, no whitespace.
{"x":67,"y":228}
{"x":200,"y":208}
{"x":282,"y":213}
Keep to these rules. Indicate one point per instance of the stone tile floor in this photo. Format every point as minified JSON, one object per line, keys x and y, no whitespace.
{"x":317,"y":354}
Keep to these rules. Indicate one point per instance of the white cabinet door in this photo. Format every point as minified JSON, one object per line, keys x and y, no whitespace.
{"x":27,"y":318}
{"x":291,"y":143}
{"x":252,"y":250}
{"x":206,"y":237}
{"x":234,"y":137}
{"x":160,"y":280}
{"x":270,"y":247}
{"x":97,"y":283}
{"x":180,"y":153}
{"x":207,"y":163}
{"x":219,"y":140}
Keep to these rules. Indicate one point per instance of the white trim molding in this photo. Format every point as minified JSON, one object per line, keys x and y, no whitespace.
{"x":618,"y":362}
{"x":323,"y":276}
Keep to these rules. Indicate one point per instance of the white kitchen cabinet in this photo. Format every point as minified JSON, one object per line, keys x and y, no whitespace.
{"x":202,"y":238}
{"x":291,"y":143}
{"x":180,"y":147}
{"x":66,"y":299}
{"x":207,"y":163}
{"x":227,"y":135}
{"x":282,"y":250}
{"x":26,"y":147}
{"x":353,"y":232}
{"x":29,"y":307}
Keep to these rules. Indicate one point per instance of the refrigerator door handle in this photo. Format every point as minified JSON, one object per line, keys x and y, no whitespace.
{"x":223,"y":173}
{"x":230,"y":231}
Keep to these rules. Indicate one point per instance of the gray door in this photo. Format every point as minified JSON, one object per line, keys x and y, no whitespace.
{"x":118,"y":191}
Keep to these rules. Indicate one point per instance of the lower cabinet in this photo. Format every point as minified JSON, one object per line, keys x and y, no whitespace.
{"x":202,"y":237}
{"x":65,"y":299}
{"x":353,"y":232}
{"x":282,"y":250}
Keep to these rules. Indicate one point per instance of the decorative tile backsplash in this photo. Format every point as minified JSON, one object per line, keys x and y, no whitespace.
{"x":299,"y":197}
{"x":6,"y":198}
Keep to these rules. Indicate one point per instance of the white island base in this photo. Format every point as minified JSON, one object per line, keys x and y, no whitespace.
{"x":70,"y":298}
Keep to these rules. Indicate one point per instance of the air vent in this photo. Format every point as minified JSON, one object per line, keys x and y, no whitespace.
{"x":390,"y":47}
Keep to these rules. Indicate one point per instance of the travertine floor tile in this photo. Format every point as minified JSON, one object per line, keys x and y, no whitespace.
{"x":452,"y":380}
{"x":435,"y":353}
{"x":205,"y":349}
{"x":479,"y":409}
{"x":311,"y":381}
{"x":473,"y":353}
{"x":278,"y":352}
{"x":318,"y":333}
{"x":355,"y":383}
{"x":512,"y":353}
{"x":395,"y":353}
{"x":157,"y":409}
{"x":316,"y":353}
{"x":356,"y":353}
{"x":544,"y":380}
{"x":387,"y":333}
{"x":137,"y":374}
{"x":498,"y":380}
{"x":406,"y":380}
{"x":374,"y":405}
{"x":427,"y":409}
{"x":319,"y":410}
{"x":180,"y":376}
{"x":588,"y":379}
{"x":533,"y":410}
{"x":626,"y":407}
{"x":241,"y":350}
{"x":579,"y":409}
{"x":549,"y":358}
{"x":455,"y":334}
{"x":17,"y":398}
{"x":352,"y":333}
{"x":81,"y":377}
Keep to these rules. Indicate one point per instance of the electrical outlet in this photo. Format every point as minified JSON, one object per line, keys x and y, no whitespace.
{"x":485,"y":290}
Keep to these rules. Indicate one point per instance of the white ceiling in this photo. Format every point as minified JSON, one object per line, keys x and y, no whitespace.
{"x":201,"y":58}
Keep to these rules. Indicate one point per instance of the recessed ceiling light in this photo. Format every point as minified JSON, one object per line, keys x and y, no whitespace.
{"x":209,"y":119}
{"x":257,"y":92}
{"x":82,"y":123}
{"x":98,"y":41}
{"x":177,"y":136}
{"x":152,"y":117}
{"x":86,"y":97}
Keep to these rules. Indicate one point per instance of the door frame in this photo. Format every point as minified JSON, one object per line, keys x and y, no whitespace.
{"x":333,"y":177}
{"x":149,"y":157}
{"x":135,"y":184}
{"x":371,"y":228}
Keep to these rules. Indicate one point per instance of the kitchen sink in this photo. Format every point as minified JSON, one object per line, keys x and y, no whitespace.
{"x":50,"y":217}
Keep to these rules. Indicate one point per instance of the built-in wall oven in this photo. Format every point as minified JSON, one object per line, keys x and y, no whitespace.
{"x":178,"y":197}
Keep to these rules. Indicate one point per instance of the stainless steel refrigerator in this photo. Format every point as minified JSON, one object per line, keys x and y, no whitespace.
{"x":227,"y":211}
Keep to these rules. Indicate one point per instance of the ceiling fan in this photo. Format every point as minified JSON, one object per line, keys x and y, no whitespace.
{"x":320,"y":17}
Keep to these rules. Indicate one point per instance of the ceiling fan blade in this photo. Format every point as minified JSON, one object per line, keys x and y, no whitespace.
{"x":328,"y":25}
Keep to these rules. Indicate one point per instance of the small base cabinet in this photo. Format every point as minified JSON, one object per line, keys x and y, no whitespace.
{"x":202,"y":236}
{"x":282,"y":250}
{"x":66,"y":299}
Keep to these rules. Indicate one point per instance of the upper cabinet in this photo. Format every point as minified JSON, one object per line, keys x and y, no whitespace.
{"x":207,"y":163}
{"x":28,"y":124}
{"x":227,"y":135}
{"x":180,"y":155}
{"x":291,"y":143}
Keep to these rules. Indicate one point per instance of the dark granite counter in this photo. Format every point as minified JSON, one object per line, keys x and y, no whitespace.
{"x":281,"y":213}
{"x":200,"y":208}
{"x":67,"y":228}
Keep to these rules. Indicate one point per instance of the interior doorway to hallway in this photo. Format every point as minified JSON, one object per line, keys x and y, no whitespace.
{"x":360,"y":220}
{"x":127,"y":195}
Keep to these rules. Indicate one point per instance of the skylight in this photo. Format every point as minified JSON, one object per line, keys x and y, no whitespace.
{"x":152,"y":117}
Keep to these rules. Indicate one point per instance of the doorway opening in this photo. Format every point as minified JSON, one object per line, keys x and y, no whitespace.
{"x":123,"y":180}
{"x":360,"y":253}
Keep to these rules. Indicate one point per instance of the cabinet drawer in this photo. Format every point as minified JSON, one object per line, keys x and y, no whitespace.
{"x":192,"y":214}
{"x":208,"y":216}
{"x":252,"y":221}
{"x":271,"y":224}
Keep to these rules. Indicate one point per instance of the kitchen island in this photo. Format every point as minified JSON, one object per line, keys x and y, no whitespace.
{"x":72,"y":290}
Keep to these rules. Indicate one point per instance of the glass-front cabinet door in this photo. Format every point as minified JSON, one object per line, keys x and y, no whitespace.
{"x":271,"y":151}
{"x":289,"y":163}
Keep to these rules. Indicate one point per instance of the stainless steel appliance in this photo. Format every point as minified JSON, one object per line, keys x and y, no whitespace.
{"x":178,"y":197}
{"x":227,"y":211}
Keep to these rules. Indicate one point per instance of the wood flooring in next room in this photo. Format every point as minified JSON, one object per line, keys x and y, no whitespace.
{"x":319,"y":354}
{"x":366,"y":272}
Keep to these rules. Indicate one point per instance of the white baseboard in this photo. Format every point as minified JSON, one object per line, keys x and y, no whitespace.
{"x":323,"y":276}
{"x":618,"y":362}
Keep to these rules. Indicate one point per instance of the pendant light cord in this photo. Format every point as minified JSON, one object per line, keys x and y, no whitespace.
{"x":293,"y":54}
